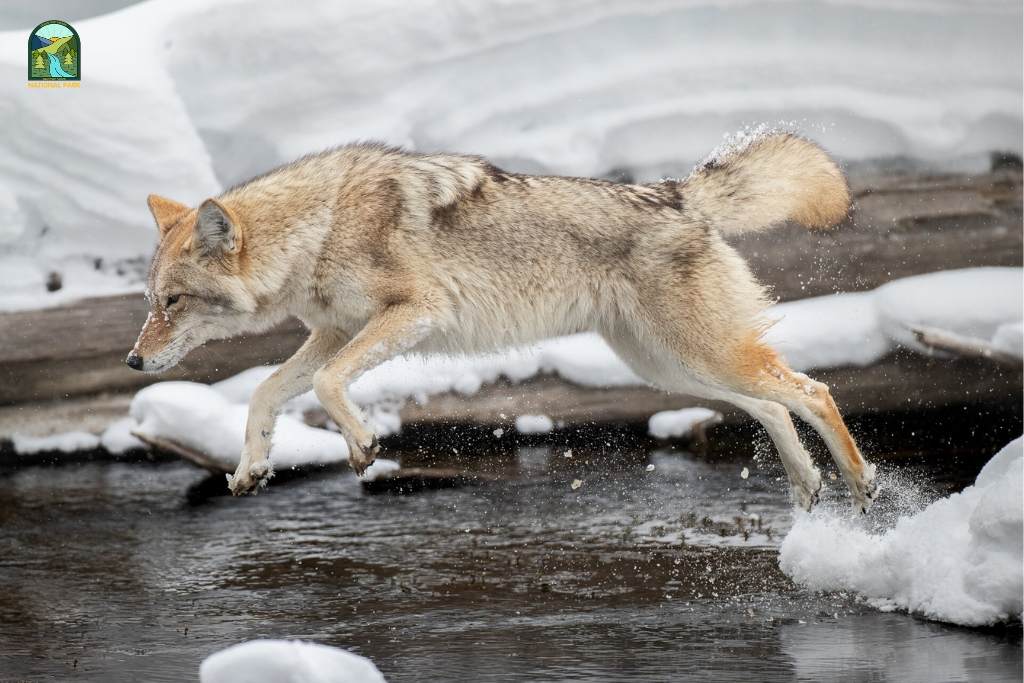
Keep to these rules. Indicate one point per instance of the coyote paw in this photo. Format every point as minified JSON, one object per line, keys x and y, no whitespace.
{"x":363,"y":454}
{"x":864,"y":490}
{"x":806,"y":494}
{"x":250,"y":479}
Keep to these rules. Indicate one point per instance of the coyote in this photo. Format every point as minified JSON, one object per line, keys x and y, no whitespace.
{"x":380,"y":252}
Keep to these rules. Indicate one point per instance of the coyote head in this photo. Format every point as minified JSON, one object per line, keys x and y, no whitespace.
{"x":195,"y":288}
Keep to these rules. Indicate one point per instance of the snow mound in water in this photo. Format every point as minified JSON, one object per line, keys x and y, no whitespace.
{"x":672,"y":424}
{"x":198,"y":417}
{"x":534,"y":424}
{"x":958,"y":560}
{"x":270,"y":661}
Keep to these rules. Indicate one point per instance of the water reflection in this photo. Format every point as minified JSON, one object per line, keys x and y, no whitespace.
{"x":895,"y":647}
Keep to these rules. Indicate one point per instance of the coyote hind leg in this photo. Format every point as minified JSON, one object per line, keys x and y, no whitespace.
{"x":804,"y":477}
{"x":761,"y":373}
{"x":667,"y":370}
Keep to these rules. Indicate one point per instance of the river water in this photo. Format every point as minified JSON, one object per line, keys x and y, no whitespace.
{"x":133,"y":571}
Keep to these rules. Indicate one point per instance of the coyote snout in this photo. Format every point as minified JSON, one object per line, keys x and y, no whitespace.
{"x":193,"y":290}
{"x":380,"y":252}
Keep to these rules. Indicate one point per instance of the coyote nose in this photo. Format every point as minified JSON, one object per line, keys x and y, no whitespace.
{"x":134,"y":361}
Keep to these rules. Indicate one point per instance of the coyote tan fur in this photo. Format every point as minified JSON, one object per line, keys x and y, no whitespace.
{"x":381,"y":252}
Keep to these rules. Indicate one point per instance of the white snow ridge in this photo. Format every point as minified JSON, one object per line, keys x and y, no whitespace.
{"x":958,"y":560}
{"x":294,"y":661}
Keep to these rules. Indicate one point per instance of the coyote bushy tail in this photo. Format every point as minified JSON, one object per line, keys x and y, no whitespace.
{"x":765,"y":181}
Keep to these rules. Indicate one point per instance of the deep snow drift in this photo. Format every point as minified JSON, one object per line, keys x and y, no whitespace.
{"x":294,"y":661}
{"x":958,"y":560}
{"x":587,"y":87}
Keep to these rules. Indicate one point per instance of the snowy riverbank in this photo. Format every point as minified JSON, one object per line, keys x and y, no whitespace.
{"x":589,"y":87}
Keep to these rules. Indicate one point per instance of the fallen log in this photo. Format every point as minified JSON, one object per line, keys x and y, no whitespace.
{"x":901,"y":225}
{"x":401,"y":481}
{"x":903,"y":381}
{"x":948,"y":342}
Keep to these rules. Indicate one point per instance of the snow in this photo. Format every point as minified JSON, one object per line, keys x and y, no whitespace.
{"x":199,"y":418}
{"x":381,"y":468}
{"x":672,"y":424}
{"x":1009,"y":338}
{"x":960,"y":560}
{"x":582,"y":359}
{"x":534,"y":424}
{"x":294,"y":661}
{"x":118,"y":438}
{"x":67,"y":442}
{"x":859,"y":328}
{"x":589,"y":87}
{"x":972,"y":303}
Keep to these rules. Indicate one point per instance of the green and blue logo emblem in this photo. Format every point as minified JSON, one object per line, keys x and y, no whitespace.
{"x":54,"y":52}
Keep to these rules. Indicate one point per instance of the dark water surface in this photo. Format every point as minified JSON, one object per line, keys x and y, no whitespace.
{"x":113,"y":572}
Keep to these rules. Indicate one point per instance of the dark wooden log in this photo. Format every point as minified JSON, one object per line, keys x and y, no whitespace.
{"x":901,"y":225}
{"x":902,"y":381}
{"x":76,"y":350}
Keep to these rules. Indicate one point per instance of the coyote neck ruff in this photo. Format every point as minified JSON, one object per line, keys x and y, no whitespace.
{"x":381,"y":252}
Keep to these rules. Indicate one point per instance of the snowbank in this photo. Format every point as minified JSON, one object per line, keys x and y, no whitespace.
{"x":198,"y":417}
{"x":118,"y":438}
{"x":672,"y":424}
{"x":295,"y":661}
{"x":859,"y":328}
{"x":958,"y":560}
{"x":66,"y":442}
{"x":76,"y":164}
{"x":588,"y":87}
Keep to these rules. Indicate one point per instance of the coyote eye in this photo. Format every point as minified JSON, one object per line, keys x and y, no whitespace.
{"x":171,"y":300}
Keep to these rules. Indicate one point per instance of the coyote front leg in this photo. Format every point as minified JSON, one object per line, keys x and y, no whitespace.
{"x":294,"y":377}
{"x":394,"y":330}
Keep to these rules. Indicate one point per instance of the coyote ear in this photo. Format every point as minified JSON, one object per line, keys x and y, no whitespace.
{"x":217,"y":232}
{"x":165,"y":212}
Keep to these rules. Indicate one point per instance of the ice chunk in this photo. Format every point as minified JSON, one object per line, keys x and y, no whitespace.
{"x":295,"y":661}
{"x":671,"y":424}
{"x":534,"y":424}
